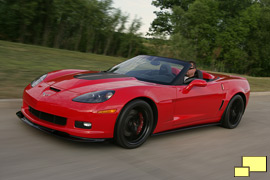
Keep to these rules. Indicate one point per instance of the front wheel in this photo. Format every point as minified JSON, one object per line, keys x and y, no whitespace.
{"x":233,"y":113}
{"x":134,"y":124}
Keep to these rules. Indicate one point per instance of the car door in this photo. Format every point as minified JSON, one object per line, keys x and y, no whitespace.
{"x":199,"y":105}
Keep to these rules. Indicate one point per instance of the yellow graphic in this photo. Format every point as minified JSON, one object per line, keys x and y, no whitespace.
{"x":251,"y":164}
{"x":256,"y":164}
{"x":241,"y":171}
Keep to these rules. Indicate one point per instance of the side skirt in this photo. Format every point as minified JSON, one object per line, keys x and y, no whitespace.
{"x":186,"y":128}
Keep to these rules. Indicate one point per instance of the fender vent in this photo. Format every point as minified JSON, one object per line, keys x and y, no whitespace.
{"x":221,"y":105}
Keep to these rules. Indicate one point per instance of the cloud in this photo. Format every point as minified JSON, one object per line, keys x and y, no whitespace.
{"x":142,"y":8}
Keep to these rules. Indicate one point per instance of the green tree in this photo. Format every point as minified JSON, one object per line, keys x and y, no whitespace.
{"x":112,"y":24}
{"x":225,"y":35}
{"x":81,"y":25}
{"x":258,"y":46}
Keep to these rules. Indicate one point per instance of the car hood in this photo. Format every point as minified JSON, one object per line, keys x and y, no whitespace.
{"x":84,"y":82}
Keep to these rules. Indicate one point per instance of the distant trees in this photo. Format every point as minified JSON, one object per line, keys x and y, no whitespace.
{"x":81,"y":25}
{"x":226,"y":35}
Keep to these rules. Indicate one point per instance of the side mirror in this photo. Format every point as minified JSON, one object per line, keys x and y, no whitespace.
{"x":196,"y":82}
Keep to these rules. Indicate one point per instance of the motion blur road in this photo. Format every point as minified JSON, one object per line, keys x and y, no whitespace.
{"x":208,"y":153}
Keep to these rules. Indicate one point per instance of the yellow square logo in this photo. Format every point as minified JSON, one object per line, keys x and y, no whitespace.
{"x":241,"y":171}
{"x":256,"y":164}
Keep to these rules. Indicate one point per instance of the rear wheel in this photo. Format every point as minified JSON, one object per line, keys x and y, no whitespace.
{"x":134,"y":124}
{"x":233,"y":113}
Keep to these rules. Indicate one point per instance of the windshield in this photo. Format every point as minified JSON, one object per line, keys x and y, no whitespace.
{"x":150,"y":68}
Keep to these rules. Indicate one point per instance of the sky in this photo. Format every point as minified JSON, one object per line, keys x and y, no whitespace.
{"x":142,"y":8}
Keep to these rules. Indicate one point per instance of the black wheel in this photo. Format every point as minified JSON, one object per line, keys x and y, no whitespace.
{"x":134,"y":124}
{"x":233,"y":113}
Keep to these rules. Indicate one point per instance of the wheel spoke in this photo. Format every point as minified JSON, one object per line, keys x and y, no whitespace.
{"x":141,"y":122}
{"x":136,"y":125}
{"x":235,"y":112}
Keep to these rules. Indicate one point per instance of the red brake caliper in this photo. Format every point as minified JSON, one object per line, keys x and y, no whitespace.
{"x":141,"y":123}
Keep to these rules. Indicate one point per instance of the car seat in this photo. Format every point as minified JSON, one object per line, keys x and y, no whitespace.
{"x":165,"y":69}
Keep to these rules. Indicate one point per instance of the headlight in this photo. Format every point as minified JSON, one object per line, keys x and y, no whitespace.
{"x":95,"y":97}
{"x":38,"y":80}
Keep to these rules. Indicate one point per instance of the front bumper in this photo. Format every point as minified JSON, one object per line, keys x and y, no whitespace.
{"x":61,"y":105}
{"x":56,"y":133}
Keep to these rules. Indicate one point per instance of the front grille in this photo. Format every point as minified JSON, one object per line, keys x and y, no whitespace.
{"x":48,"y":117}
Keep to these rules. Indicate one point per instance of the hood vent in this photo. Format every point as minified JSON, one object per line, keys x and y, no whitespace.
{"x":54,"y":89}
{"x":101,"y":75}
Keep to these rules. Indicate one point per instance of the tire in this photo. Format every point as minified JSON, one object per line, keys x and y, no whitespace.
{"x":134,"y":124}
{"x":233,"y":113}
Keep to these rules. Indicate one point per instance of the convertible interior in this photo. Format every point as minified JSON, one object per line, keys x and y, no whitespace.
{"x":166,"y":74}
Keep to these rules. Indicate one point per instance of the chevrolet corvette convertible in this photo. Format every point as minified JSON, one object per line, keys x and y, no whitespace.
{"x":143,"y":96}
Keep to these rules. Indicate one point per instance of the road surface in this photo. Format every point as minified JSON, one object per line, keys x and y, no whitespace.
{"x":208,"y":153}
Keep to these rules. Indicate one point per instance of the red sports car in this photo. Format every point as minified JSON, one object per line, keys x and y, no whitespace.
{"x":143,"y":96}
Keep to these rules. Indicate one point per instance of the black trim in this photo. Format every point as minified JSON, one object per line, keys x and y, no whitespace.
{"x":221,"y":105}
{"x":56,"y":133}
{"x":54,"y":89}
{"x":79,"y":124}
{"x":198,"y":74}
{"x":185,"y":128}
{"x":179,"y":80}
{"x":100,"y":75}
{"x":48,"y":117}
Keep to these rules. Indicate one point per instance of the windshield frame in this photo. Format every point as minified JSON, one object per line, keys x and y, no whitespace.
{"x":177,"y":80}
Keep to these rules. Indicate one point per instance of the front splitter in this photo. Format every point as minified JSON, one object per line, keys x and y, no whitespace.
{"x":56,"y":133}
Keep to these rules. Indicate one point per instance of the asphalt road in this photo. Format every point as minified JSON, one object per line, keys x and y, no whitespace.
{"x":209,"y":153}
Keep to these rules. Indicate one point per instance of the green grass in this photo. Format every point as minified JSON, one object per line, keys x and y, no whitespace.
{"x":257,"y":84}
{"x":20,"y":64}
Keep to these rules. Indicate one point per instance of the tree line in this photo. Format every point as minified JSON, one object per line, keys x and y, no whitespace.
{"x":224,"y":35}
{"x":81,"y":25}
{"x":221,"y":35}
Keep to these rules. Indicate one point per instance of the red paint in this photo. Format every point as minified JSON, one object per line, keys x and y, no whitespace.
{"x":177,"y":105}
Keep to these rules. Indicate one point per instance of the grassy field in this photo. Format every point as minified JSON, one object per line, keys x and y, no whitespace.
{"x":257,"y":84}
{"x":20,"y":64}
